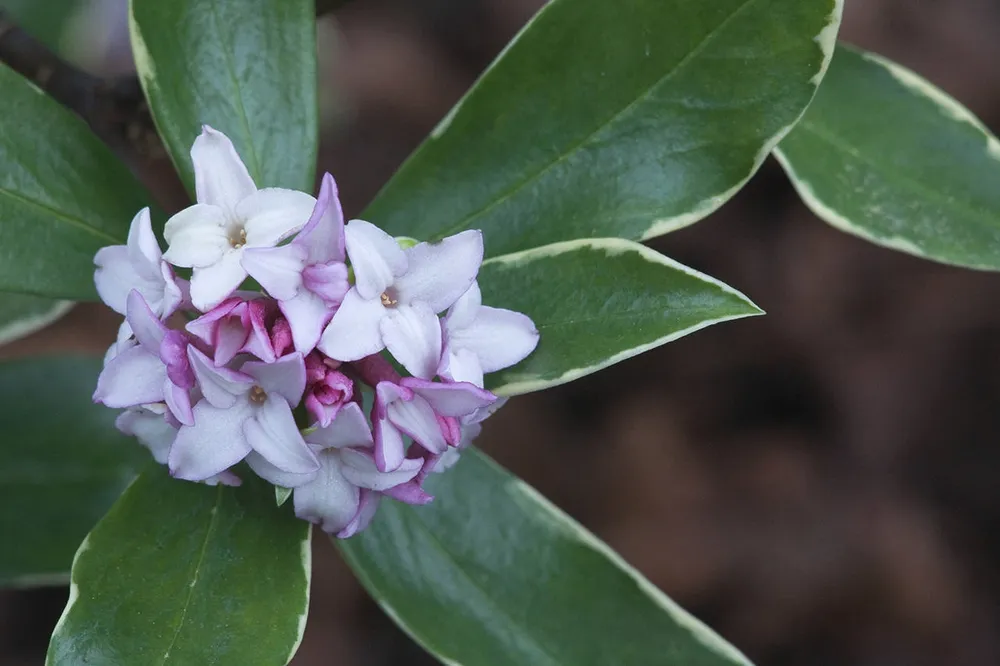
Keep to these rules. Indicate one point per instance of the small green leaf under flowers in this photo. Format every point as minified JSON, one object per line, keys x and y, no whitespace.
{"x":184,"y":573}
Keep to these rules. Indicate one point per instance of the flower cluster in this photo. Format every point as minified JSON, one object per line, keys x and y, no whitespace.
{"x":211,"y":376}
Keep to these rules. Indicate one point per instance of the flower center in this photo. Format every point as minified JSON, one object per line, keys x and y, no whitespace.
{"x":238,"y":237}
{"x":258,"y":396}
{"x":387,"y":300}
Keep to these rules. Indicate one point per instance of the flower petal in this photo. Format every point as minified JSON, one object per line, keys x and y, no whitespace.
{"x":143,"y":248}
{"x":349,"y":428}
{"x":196,"y":236}
{"x":461,"y":365}
{"x":273,"y":214}
{"x":439,"y":273}
{"x":220,"y":386}
{"x":459,"y":399}
{"x":146,"y":326}
{"x":258,"y":341}
{"x":213,"y":444}
{"x":213,"y":284}
{"x":500,"y":338}
{"x":285,"y":377}
{"x":375,"y":256}
{"x":359,"y":468}
{"x":307,"y":315}
{"x":463,"y":312}
{"x":327,"y":280}
{"x":277,"y":269}
{"x":390,"y":450}
{"x":150,"y":428}
{"x":412,"y":333}
{"x":133,"y":377}
{"x":416,"y":418}
{"x":179,"y":402}
{"x":220,"y":177}
{"x":354,"y":333}
{"x":410,"y":492}
{"x":367,"y":507}
{"x":272,"y":432}
{"x":323,"y":235}
{"x":115,"y":277}
{"x":278,"y":477}
{"x":329,"y":500}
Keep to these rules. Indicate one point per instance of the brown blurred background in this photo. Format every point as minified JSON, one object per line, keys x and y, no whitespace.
{"x":818,"y":484}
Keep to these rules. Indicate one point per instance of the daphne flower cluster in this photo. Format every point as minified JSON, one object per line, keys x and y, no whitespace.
{"x":211,"y":376}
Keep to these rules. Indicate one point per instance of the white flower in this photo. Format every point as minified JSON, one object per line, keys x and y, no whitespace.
{"x":480,"y":339}
{"x":231,"y":214}
{"x":397,"y":295}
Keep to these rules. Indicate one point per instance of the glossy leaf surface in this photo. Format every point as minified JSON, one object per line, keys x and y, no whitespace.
{"x":63,"y":195}
{"x":246,"y":68}
{"x":183,"y":573}
{"x":23,"y":315}
{"x":64,"y":465}
{"x":597,"y":302}
{"x":885,"y":155}
{"x":614,"y":119}
{"x":492,"y":574}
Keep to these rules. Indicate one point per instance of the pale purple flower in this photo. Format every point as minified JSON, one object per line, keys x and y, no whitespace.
{"x":137,"y":265}
{"x":307,"y":276}
{"x":154,"y":370}
{"x":343,"y":496}
{"x":231,"y":215}
{"x":235,"y":325}
{"x":150,"y":426}
{"x":245,"y":414}
{"x":414,"y":407}
{"x":480,"y":339}
{"x":397,"y":295}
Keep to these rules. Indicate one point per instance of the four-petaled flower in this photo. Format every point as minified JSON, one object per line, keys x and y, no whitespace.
{"x":397,"y":295}
{"x":230,"y":216}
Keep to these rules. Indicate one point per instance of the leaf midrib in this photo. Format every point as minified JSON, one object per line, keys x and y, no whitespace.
{"x":240,"y":108}
{"x":464,"y":223}
{"x":214,"y":512}
{"x":60,"y":215}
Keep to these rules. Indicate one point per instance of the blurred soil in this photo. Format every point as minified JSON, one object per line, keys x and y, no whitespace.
{"x":818,"y":484}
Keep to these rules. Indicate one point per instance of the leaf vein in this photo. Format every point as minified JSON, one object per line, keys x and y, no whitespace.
{"x":59,"y":215}
{"x":197,"y":570}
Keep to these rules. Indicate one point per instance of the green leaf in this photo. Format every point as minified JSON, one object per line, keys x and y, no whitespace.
{"x":597,"y":302}
{"x":246,"y":68}
{"x":492,"y":574}
{"x":183,"y":573}
{"x":886,"y":156}
{"x":614,"y":119}
{"x":23,"y":315}
{"x":64,"y":464}
{"x":63,"y":195}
